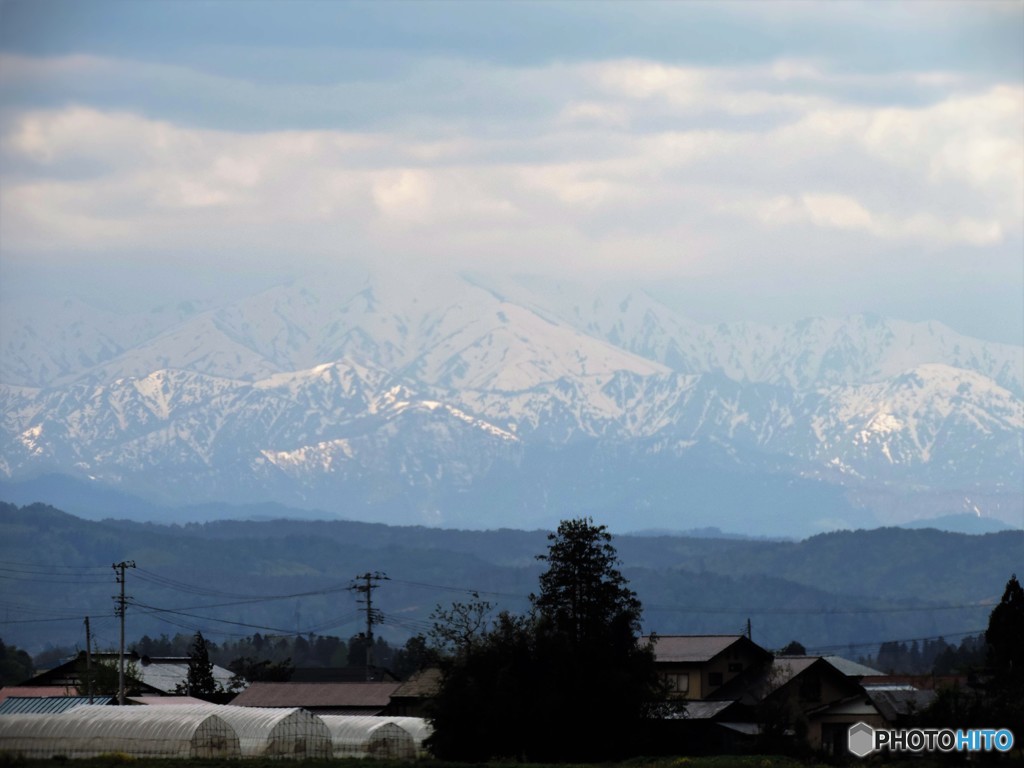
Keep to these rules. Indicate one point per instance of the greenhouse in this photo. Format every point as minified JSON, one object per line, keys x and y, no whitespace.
{"x":417,"y":727}
{"x":280,"y":732}
{"x":133,"y":731}
{"x":369,"y":736}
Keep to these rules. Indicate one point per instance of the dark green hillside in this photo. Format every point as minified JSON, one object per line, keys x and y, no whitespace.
{"x":829,"y":591}
{"x":891,"y":563}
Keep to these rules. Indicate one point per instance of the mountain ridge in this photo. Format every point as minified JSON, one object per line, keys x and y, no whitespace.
{"x":907,"y":583}
{"x":417,"y":397}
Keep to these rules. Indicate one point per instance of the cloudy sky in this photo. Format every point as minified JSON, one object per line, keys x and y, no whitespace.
{"x":749,"y":160}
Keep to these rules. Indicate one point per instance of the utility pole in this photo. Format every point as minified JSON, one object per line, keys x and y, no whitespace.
{"x":367,"y":588}
{"x":749,"y":634}
{"x":119,"y":611}
{"x":88,"y":658}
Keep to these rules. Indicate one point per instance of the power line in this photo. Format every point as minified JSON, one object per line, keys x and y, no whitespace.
{"x":122,"y":604}
{"x":241,"y":598}
{"x":370,"y":582}
{"x":157,"y":609}
{"x":462,"y":590}
{"x":822,"y":611}
{"x":943,"y":636}
{"x":97,"y":568}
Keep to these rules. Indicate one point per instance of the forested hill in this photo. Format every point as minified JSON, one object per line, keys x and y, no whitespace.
{"x":839,"y":592}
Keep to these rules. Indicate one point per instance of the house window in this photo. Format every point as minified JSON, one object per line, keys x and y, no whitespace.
{"x":714,"y":679}
{"x":678,"y":684}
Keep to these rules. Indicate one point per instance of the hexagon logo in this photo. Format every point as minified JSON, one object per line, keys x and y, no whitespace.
{"x":861,"y":739}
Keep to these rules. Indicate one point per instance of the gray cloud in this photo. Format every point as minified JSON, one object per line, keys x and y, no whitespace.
{"x":783,"y":178}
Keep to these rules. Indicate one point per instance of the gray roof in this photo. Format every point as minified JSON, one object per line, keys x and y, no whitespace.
{"x":705,"y":710}
{"x":39,"y":705}
{"x":851,"y":668}
{"x":893,"y":705}
{"x":166,"y":673}
{"x":691,"y":648}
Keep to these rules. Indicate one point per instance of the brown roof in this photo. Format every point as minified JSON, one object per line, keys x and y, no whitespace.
{"x":37,"y":691}
{"x":351,"y":695}
{"x":694,"y":648}
{"x":166,"y":700}
{"x":423,"y":684}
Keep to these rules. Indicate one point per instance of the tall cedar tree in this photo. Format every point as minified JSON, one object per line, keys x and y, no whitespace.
{"x":998,"y":698}
{"x":1005,"y":639}
{"x":598,"y":677}
{"x":569,"y":682}
{"x":200,"y":681}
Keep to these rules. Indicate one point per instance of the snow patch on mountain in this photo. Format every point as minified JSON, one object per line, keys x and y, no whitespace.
{"x":416,"y":389}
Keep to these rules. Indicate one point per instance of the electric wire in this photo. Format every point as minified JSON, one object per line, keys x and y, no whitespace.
{"x":877,"y":643}
{"x":812,"y":611}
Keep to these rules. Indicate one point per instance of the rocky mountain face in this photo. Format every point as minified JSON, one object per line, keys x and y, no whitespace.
{"x":447,"y":400}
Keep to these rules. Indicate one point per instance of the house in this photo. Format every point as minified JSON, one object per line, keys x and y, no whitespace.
{"x":900,"y":704}
{"x":696,"y":666}
{"x":725,"y":692}
{"x":156,"y":675}
{"x":320,"y":698}
{"x":413,"y":696}
{"x":805,"y":696}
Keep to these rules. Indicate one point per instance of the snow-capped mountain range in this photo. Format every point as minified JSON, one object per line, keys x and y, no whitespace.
{"x":447,"y":399}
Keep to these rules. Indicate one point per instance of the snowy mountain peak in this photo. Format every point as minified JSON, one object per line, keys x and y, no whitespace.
{"x":421,"y":393}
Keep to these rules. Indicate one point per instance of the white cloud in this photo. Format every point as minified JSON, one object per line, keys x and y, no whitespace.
{"x":616,"y":164}
{"x":841,"y":212}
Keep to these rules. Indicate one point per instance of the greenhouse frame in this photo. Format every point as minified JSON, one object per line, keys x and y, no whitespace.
{"x":417,"y":727}
{"x":369,"y":736}
{"x":278,"y":732}
{"x":133,"y":731}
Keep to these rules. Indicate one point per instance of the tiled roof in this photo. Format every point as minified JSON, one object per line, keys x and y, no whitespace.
{"x":345,"y":695}
{"x":423,"y":684}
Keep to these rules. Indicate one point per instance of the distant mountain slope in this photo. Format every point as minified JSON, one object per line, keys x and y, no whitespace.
{"x":833,"y":590}
{"x":442,"y":400}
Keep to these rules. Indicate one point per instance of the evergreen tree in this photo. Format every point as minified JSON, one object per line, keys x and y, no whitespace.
{"x":1005,"y":634}
{"x":200,"y":681}
{"x":597,"y":679}
{"x":571,"y":681}
{"x":15,"y":665}
{"x":1005,"y":639}
{"x":582,"y":594}
{"x":102,"y":677}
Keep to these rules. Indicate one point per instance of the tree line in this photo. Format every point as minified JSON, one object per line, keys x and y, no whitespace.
{"x":571,"y":679}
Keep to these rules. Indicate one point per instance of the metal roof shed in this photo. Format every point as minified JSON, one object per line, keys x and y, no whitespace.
{"x":279,"y":733}
{"x":369,"y":736}
{"x":134,"y":731}
{"x":41,"y":705}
